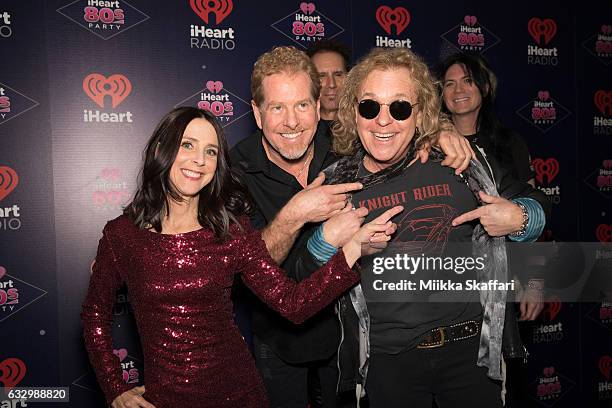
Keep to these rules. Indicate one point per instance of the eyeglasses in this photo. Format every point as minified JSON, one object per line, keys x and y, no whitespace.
{"x":399,"y":110}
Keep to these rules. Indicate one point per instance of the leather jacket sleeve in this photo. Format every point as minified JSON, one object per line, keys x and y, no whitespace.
{"x":508,"y":186}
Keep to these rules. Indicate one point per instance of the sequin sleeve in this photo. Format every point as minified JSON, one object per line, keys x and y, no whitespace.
{"x":97,"y":319}
{"x":295,"y":301}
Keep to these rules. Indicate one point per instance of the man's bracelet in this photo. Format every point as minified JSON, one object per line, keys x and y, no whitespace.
{"x":521,"y":231}
{"x":535,"y":284}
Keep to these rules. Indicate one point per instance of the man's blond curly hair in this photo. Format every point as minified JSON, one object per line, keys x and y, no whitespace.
{"x":346,"y":140}
{"x":289,"y":60}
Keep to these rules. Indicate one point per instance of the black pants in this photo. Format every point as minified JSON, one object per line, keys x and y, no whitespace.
{"x":287,"y":384}
{"x":417,"y":377}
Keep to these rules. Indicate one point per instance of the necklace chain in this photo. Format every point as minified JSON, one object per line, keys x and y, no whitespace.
{"x":297,"y":176}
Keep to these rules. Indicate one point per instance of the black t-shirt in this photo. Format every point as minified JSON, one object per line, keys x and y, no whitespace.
{"x":432,"y":196}
{"x":271,"y":188}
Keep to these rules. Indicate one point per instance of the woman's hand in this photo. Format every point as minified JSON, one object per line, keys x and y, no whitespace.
{"x":132,"y":399}
{"x":372,"y":237}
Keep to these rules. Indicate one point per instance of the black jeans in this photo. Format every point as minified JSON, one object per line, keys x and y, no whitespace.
{"x":416,"y":377}
{"x":287,"y":384}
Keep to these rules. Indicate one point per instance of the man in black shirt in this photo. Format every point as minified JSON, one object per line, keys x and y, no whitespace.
{"x":280,"y":164}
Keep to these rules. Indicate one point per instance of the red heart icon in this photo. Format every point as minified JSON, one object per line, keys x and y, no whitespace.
{"x":548,"y":168}
{"x":388,"y":17}
{"x":220,"y":8}
{"x":307,"y":8}
{"x":214,"y":86}
{"x":552,"y":307}
{"x":606,"y":29}
{"x":12,"y":371}
{"x":539,"y":29}
{"x":2,"y":272}
{"x":603,"y":101}
{"x":605,"y":366}
{"x":470,"y":20}
{"x":121,"y":353}
{"x":604,"y":233}
{"x":97,"y":86}
{"x":8,"y":181}
{"x":548,"y":371}
{"x":543,"y":95}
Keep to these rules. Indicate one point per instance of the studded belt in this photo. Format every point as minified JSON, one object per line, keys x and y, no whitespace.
{"x":441,"y":335}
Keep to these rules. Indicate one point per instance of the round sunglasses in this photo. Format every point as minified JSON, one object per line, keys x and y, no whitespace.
{"x":399,"y":110}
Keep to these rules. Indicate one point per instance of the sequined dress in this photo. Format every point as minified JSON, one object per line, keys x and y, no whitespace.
{"x":180,"y":285}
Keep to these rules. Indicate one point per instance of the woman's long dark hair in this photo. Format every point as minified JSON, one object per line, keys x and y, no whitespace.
{"x":221,"y":202}
{"x":488,"y":126}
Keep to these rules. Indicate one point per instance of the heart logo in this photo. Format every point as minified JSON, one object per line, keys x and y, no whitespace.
{"x":121,"y":353}
{"x":398,"y":17}
{"x":2,"y":272}
{"x":543,"y":95}
{"x":603,"y":101}
{"x":607,"y":164}
{"x":548,"y":168}
{"x":552,"y":307}
{"x":606,"y":29}
{"x":97,"y":86}
{"x":605,"y":366}
{"x":8,"y":181}
{"x":214,"y":86}
{"x":548,"y":371}
{"x":307,"y":8}
{"x":470,"y":20}
{"x":220,"y":8}
{"x":604,"y":233}
{"x":12,"y":371}
{"x":542,"y":31}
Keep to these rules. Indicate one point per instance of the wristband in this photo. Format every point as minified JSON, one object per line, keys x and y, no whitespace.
{"x":521,"y":231}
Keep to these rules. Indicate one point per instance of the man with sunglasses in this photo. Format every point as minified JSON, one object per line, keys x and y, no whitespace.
{"x":280,"y":164}
{"x":412,"y":351}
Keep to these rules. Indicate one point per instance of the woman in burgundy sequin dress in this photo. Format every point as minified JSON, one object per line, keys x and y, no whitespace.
{"x":178,"y":246}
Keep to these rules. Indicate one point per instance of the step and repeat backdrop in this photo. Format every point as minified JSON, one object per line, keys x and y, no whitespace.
{"x":83,"y":83}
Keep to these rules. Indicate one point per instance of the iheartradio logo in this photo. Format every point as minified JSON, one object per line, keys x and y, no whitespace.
{"x":388,"y":17}
{"x":603,"y":232}
{"x":542,"y":31}
{"x":131,"y":375}
{"x":605,"y":366}
{"x":543,"y":95}
{"x":214,"y":86}
{"x":552,"y":307}
{"x":8,"y":181}
{"x":220,"y":8}
{"x":603,"y":101}
{"x":12,"y":371}
{"x":97,"y":87}
{"x":470,"y":20}
{"x":121,"y":354}
{"x":307,"y":8}
{"x":548,"y":169}
{"x":548,"y":371}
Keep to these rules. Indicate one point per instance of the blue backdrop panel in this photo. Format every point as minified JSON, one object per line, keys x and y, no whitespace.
{"x":83,"y":84}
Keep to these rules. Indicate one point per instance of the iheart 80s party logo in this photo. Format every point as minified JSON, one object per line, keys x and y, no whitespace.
{"x":105,"y":91}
